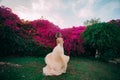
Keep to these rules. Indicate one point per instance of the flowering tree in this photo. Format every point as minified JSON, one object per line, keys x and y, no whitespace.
{"x":45,"y":32}
{"x":73,"y":41}
{"x":13,"y":33}
{"x":42,"y":32}
{"x":9,"y":19}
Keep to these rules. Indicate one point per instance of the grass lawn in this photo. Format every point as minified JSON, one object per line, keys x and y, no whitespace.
{"x":30,"y":68}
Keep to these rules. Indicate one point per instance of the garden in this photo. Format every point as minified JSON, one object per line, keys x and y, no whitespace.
{"x":24,"y":44}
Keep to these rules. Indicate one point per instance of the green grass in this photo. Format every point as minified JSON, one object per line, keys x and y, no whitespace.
{"x":78,"y":69}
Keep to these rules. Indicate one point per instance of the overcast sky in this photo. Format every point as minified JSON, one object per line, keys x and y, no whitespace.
{"x":65,"y":13}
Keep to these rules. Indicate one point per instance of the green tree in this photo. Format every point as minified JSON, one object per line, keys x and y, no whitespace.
{"x":104,"y":38}
{"x":92,"y":21}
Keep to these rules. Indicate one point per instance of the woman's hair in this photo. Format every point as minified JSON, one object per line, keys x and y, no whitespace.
{"x":58,"y":34}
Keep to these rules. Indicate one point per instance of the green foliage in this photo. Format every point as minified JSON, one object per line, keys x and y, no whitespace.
{"x":104,"y":37}
{"x":35,"y":49}
{"x":14,"y":45}
{"x":10,"y":42}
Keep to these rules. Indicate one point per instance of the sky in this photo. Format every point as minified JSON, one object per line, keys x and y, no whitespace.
{"x":65,"y":13}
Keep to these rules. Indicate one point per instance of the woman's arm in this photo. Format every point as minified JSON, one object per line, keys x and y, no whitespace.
{"x":57,"y":40}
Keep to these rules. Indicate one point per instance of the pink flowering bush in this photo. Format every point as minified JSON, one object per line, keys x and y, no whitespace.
{"x":12,"y":32}
{"x":9,"y":19}
{"x":73,"y":41}
{"x":45,"y":32}
{"x":116,"y":22}
{"x":45,"y":35}
{"x":26,"y":29}
{"x":42,"y":32}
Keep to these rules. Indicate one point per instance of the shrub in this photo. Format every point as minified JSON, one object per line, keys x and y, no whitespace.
{"x":45,"y":32}
{"x":8,"y":18}
{"x":73,"y":41}
{"x":104,"y":37}
{"x":10,"y":42}
{"x":17,"y":35}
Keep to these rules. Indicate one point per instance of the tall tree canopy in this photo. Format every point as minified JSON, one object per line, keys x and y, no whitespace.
{"x":92,"y":21}
{"x":105,"y":37}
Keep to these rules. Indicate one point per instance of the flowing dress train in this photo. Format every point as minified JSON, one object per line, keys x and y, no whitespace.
{"x":56,"y":62}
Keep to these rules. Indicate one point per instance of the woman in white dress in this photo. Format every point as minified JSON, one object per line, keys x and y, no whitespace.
{"x":56,"y":61}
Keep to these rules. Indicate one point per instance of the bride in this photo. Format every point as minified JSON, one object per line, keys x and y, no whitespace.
{"x":56,"y":61}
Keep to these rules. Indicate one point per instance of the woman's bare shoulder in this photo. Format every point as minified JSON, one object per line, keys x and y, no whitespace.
{"x":59,"y":38}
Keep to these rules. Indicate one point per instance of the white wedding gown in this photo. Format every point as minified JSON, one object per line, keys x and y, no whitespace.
{"x":56,"y":62}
